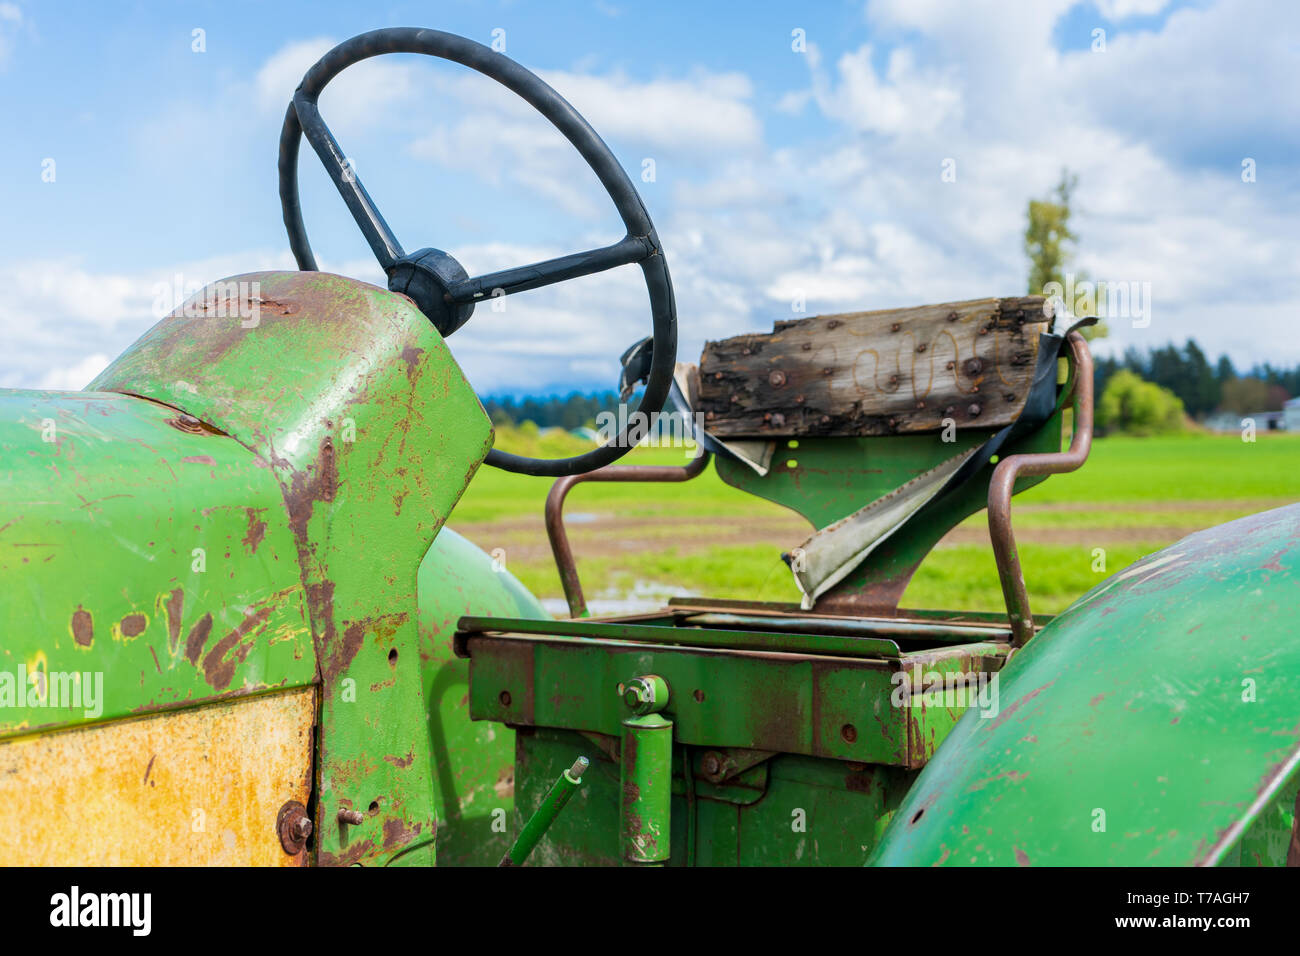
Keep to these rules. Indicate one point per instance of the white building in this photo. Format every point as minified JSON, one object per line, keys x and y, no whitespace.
{"x":1291,"y":414}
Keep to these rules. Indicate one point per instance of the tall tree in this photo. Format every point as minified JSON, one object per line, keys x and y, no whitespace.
{"x":1048,"y":243}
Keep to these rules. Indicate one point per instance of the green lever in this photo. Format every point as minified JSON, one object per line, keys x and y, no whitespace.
{"x":564,"y":788}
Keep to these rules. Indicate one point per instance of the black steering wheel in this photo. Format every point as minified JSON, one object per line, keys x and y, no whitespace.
{"x":436,"y":282}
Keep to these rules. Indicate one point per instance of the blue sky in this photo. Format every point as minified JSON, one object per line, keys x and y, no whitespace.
{"x":780,"y":174}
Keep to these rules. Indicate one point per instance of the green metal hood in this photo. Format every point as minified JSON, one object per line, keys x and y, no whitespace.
{"x":1152,"y":723}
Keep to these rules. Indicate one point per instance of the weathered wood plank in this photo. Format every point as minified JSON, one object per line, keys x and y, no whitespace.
{"x":886,"y":372}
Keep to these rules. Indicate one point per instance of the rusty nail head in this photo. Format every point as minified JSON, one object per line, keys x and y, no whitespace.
{"x":973,"y":366}
{"x":777,"y":378}
{"x":952,"y":316}
{"x":974,"y":410}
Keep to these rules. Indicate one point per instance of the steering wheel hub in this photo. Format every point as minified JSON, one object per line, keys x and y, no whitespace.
{"x":427,"y":277}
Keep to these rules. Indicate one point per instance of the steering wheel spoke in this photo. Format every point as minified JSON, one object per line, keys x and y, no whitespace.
{"x":344,"y":176}
{"x":522,"y":278}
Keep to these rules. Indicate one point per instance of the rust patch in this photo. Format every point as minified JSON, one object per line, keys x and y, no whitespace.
{"x":174,"y":604}
{"x":401,"y":762}
{"x":83,"y":627}
{"x":133,"y":625}
{"x":354,"y":853}
{"x":411,"y":356}
{"x":396,"y":833}
{"x":199,"y":460}
{"x":219,"y":664}
{"x":1022,"y":858}
{"x":197,"y":637}
{"x":858,"y":782}
{"x":1008,"y":711}
{"x":256,"y":530}
{"x":352,"y":638}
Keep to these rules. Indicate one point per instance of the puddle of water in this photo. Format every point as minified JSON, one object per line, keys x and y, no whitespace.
{"x":643,"y":596}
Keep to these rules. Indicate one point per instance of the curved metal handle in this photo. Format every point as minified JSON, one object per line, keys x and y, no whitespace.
{"x":564,"y":561}
{"x":1003,"y":484}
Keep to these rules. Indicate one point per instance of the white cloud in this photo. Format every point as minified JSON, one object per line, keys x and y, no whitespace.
{"x":1119,"y":9}
{"x":904,"y":100}
{"x":75,"y":377}
{"x":852,"y":217}
{"x":11,"y":19}
{"x":362,"y":92}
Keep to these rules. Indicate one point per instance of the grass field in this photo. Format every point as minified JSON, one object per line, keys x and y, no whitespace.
{"x":637,"y":544}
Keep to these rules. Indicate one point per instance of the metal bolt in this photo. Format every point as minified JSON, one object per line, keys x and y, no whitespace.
{"x":352,"y":817}
{"x":641,"y":694}
{"x":712,"y":764}
{"x":777,"y":378}
{"x":293,"y":826}
{"x":974,"y":410}
{"x":579,"y":768}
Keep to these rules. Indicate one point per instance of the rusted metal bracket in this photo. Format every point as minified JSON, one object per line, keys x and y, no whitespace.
{"x":1004,"y":482}
{"x":555,"y":514}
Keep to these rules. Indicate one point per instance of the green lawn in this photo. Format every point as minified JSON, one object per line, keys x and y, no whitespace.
{"x":1133,"y":497}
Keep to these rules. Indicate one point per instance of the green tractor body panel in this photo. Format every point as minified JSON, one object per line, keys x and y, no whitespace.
{"x":1152,"y":723}
{"x":243,"y":504}
{"x":474,"y":760}
{"x":154,"y":562}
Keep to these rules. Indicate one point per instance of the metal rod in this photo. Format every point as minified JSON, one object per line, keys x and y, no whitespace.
{"x":555,"y":514}
{"x":1003,"y":485}
{"x":556,"y":798}
{"x":522,"y":278}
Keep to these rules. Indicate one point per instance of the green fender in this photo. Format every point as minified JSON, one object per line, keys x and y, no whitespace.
{"x":474,"y":782}
{"x":1155,"y":722}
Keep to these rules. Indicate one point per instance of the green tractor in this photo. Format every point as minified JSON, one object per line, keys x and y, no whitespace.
{"x":236,"y":629}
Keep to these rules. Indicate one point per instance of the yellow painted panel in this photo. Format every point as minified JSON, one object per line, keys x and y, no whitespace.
{"x":187,"y":787}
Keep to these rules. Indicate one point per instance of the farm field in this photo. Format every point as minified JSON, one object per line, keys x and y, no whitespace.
{"x":638,"y":544}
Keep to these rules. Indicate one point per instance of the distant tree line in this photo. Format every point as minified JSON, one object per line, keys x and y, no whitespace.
{"x":551,"y":411}
{"x":1205,"y":388}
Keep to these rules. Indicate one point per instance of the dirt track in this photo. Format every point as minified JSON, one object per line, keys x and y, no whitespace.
{"x":603,"y":534}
